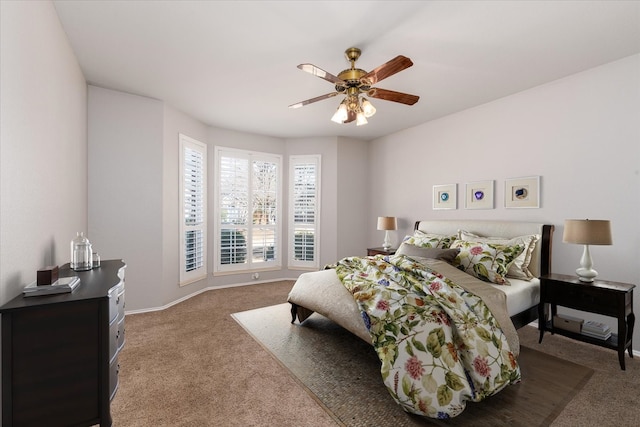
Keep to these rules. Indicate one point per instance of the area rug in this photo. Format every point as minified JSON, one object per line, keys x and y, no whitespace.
{"x":342,"y":373}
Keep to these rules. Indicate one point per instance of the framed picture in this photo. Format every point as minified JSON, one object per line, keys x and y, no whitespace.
{"x":522,"y":192}
{"x":479,"y":195}
{"x":445,"y":196}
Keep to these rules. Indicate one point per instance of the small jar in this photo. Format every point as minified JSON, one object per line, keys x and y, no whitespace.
{"x":96,"y":259}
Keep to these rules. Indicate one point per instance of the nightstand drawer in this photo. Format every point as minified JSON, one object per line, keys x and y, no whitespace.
{"x":380,"y":251}
{"x":583,"y":298}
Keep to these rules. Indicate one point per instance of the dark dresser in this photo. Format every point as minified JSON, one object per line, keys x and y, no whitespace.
{"x":60,"y":352}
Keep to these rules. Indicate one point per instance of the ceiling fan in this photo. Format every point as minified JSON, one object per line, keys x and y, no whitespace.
{"x":354,"y":82}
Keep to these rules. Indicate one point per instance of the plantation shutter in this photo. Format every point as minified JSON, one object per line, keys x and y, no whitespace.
{"x":305,"y":204}
{"x":248,"y":189}
{"x":193,"y":218}
{"x":234,"y":209}
{"x":264,"y":196}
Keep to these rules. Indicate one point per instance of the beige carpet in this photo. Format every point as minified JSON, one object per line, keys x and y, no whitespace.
{"x":344,"y":373}
{"x":193,"y":365}
{"x":610,"y":398}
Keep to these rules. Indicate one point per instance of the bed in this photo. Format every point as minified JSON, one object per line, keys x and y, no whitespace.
{"x":514,"y":299}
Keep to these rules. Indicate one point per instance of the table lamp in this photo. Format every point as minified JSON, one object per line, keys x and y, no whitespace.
{"x":587,"y":232}
{"x":387,"y":223}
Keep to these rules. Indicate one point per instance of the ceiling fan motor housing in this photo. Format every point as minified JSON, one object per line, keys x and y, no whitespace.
{"x":354,"y":81}
{"x":352,"y":76}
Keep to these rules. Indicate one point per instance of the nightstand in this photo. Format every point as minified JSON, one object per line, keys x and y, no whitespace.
{"x":612,"y":299}
{"x":381,"y":251}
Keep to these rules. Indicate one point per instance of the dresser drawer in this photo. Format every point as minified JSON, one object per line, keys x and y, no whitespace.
{"x":120,"y":302}
{"x":116,"y":301}
{"x":583,"y":297}
{"x":114,"y":372}
{"x":120,"y":334}
{"x":113,"y":339}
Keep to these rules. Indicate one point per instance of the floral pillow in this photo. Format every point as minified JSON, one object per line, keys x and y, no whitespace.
{"x":519,"y":269}
{"x":486,"y":261}
{"x":430,"y":240}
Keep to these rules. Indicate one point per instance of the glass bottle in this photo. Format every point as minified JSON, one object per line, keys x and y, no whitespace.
{"x":81,"y":253}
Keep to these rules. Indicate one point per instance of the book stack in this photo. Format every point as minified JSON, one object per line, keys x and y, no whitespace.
{"x":60,"y":286}
{"x":596,"y":330}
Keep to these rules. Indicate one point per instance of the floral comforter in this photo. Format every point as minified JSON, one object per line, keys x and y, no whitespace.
{"x":439,"y":345}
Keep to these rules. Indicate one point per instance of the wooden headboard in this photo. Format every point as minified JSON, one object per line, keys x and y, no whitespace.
{"x":541,"y":256}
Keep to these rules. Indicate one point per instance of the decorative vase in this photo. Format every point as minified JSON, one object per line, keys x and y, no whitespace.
{"x":81,"y":259}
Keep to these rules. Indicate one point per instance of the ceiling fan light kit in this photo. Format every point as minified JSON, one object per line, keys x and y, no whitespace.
{"x":367,"y":108}
{"x":361,"y":119}
{"x":353,"y":82}
{"x":341,"y":113}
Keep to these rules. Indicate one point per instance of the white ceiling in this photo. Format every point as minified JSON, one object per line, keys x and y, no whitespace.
{"x":232,"y":64}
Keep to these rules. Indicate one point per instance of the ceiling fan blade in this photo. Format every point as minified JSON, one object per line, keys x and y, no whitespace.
{"x":319,"y":72}
{"x":316,"y":99}
{"x":390,"y":68}
{"x":351,"y":116}
{"x":390,"y":95}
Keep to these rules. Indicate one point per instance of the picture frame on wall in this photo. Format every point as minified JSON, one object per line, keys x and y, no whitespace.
{"x":522,"y":192}
{"x":479,"y":195}
{"x":445,"y":196}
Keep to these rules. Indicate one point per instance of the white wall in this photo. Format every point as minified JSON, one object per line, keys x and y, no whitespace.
{"x":328,"y":148}
{"x":581,"y":134}
{"x":43,"y":144}
{"x":363,"y":180}
{"x":175,"y":123}
{"x":133,"y":192}
{"x":218,"y":137}
{"x":125,"y":188}
{"x":353,"y":207}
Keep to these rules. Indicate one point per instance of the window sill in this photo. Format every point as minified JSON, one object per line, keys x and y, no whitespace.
{"x":247,"y":271}
{"x":315,"y":268}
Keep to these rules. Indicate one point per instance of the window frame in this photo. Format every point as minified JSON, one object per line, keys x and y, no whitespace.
{"x":250,"y":265}
{"x":293,"y":225}
{"x":199,"y":273}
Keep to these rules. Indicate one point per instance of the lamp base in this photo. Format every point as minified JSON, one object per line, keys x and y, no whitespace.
{"x":386,"y":245}
{"x":586,"y":274}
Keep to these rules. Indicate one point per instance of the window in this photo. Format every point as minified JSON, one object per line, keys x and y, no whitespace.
{"x":304,"y":211}
{"x":247,"y":210}
{"x":193,"y":214}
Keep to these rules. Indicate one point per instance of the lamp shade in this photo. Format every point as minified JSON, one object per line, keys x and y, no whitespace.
{"x":387,"y":223}
{"x":587,"y":232}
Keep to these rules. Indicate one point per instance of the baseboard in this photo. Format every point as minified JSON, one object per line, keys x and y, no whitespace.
{"x":209,"y":288}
